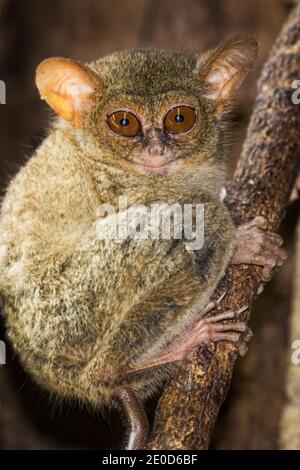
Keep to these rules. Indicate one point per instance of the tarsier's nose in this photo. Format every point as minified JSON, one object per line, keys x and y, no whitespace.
{"x":156,"y":149}
{"x":155,"y":146}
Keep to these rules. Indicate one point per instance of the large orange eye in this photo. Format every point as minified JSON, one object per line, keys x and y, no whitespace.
{"x":180,"y":119}
{"x":124,"y":123}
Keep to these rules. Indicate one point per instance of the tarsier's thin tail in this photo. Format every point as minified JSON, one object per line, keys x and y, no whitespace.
{"x":136,"y":417}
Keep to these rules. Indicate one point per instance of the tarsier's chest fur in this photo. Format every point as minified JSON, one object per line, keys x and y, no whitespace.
{"x":81,"y":311}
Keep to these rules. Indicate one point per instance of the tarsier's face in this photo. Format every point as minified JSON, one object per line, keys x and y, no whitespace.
{"x":151,"y":116}
{"x":149,"y":112}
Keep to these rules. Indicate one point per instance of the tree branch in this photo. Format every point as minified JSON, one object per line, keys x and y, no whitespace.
{"x":188,"y":409}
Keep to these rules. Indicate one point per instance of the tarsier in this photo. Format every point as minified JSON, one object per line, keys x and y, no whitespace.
{"x":103,"y":321}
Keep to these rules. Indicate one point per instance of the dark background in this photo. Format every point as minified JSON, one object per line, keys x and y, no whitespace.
{"x":31,"y":30}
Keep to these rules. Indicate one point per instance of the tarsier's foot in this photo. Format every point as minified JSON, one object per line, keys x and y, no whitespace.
{"x":213,"y":329}
{"x":204,"y":331}
{"x":254,"y":245}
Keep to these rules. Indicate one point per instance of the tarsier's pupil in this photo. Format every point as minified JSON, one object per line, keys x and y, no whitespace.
{"x":179,"y":118}
{"x":124,"y":122}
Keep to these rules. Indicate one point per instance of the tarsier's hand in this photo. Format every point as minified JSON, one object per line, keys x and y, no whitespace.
{"x":254,"y":245}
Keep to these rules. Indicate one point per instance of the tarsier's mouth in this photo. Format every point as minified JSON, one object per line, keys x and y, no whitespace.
{"x":158,"y":164}
{"x":161,"y":167}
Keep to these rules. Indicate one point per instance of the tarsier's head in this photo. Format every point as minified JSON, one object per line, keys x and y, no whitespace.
{"x":149,"y":112}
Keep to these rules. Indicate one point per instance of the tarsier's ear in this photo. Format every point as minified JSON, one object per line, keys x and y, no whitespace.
{"x":225,"y":67}
{"x":67,"y":87}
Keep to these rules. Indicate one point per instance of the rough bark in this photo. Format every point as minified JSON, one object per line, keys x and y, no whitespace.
{"x":265,"y":175}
